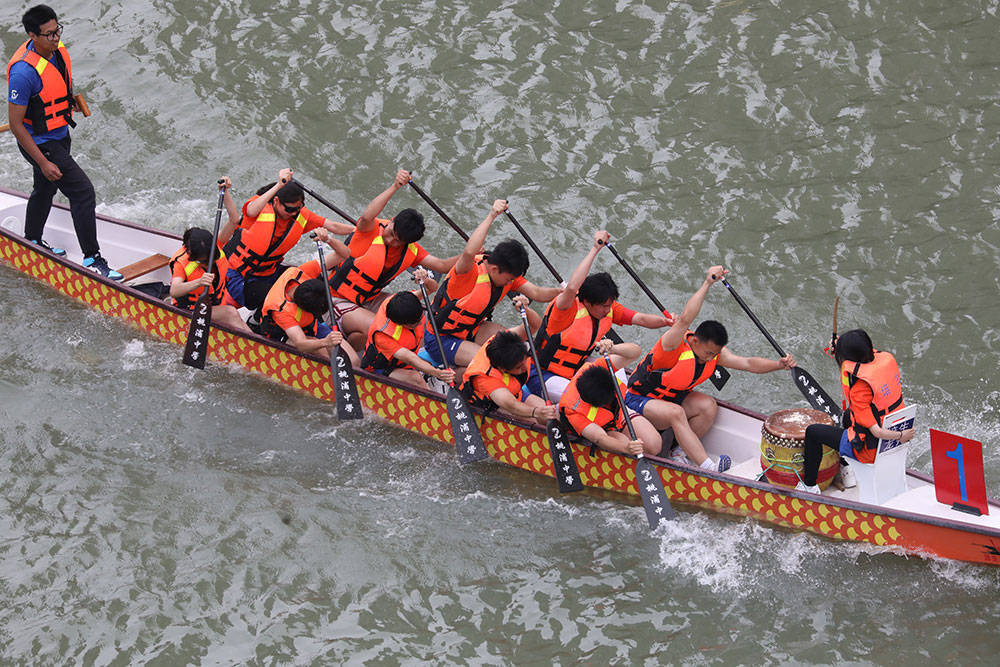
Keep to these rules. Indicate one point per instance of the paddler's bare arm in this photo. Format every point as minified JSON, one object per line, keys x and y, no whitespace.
{"x":539,"y":294}
{"x":257,"y":205}
{"x":568,"y":294}
{"x":675,"y":335}
{"x":478,"y":237}
{"x":367,"y":220}
{"x":754,"y":364}
{"x":16,"y":112}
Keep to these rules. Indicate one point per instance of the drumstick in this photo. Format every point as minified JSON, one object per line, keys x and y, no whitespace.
{"x":81,"y":104}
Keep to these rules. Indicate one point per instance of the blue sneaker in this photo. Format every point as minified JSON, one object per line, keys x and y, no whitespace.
{"x":98,"y":264}
{"x":58,"y":252}
{"x":725,"y":462}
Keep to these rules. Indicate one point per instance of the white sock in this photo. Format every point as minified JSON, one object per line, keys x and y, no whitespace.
{"x":709,"y":464}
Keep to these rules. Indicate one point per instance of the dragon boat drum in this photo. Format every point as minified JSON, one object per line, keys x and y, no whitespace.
{"x":782,"y":454}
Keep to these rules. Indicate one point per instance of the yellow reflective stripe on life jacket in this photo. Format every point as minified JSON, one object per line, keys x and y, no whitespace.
{"x":189,"y":268}
{"x":266,"y":217}
{"x":301,"y":221}
{"x":685,"y":355}
{"x":592,"y":413}
{"x":41,"y":65}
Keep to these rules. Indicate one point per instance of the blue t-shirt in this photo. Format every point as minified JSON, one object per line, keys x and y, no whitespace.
{"x":24,"y":82}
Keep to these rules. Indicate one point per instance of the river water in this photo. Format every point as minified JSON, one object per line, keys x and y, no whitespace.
{"x":157,"y":515}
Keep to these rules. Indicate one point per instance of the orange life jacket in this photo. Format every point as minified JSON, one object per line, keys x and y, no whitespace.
{"x":676,"y":376}
{"x":50,"y":108}
{"x":192,"y":271}
{"x":411,"y":339}
{"x":262,"y":246}
{"x":461,"y":317}
{"x":882,"y":375}
{"x":277,"y":300}
{"x":480,"y":365}
{"x":564,"y":352}
{"x":571,"y":402}
{"x":360,"y":279}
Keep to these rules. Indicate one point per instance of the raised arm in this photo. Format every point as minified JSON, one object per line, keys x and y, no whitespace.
{"x":675,"y":334}
{"x":232,"y":212}
{"x":569,"y":292}
{"x":476,"y":240}
{"x":754,"y":364}
{"x":257,"y":205}
{"x":367,"y":220}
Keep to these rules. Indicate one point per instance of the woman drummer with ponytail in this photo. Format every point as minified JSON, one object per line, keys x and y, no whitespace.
{"x":872,"y":389}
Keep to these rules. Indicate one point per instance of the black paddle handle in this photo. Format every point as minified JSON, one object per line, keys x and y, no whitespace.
{"x":444,"y":216}
{"x":330,"y":205}
{"x":218,"y":224}
{"x":621,"y":400}
{"x":534,"y":355}
{"x":746,"y":309}
{"x":531,"y":242}
{"x":434,"y":326}
{"x":326,"y":290}
{"x":636,"y":278}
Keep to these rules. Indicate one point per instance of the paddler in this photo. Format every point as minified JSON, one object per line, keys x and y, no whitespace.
{"x":578,"y":319}
{"x":272,"y":224}
{"x":380,"y":251}
{"x":191,"y":275}
{"x":589,"y":406}
{"x":395,"y":336}
{"x":872,"y":389}
{"x":496,"y":375}
{"x":293,"y":309}
{"x":662,"y":386}
{"x":472,"y":289}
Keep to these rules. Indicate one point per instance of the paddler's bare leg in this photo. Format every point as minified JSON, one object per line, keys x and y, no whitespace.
{"x":701,"y":410}
{"x":225,"y":314}
{"x":664,"y":415}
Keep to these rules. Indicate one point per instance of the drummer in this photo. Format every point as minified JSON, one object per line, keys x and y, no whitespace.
{"x":662,"y":387}
{"x":863,"y":369}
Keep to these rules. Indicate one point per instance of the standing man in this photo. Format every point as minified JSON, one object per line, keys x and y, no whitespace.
{"x":40,"y":108}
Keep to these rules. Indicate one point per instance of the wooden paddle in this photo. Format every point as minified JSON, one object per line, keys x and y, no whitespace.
{"x":563,"y":464}
{"x":325,"y":202}
{"x":813,"y":392}
{"x":444,"y":216}
{"x":196,"y":348}
{"x":468,"y":440}
{"x":654,"y":496}
{"x":345,"y":387}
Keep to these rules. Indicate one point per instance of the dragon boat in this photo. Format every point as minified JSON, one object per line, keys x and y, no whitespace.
{"x":912,"y":521}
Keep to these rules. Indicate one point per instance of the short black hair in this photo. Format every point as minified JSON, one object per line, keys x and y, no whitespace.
{"x":409,"y":225}
{"x":404,"y":308}
{"x":197,"y":243}
{"x":854,"y":345}
{"x":597,"y":387}
{"x":711,"y":331}
{"x":506,"y":351}
{"x":290,"y":193}
{"x":36,"y":16}
{"x":309,"y":297}
{"x":598,"y":288}
{"x":510,"y":257}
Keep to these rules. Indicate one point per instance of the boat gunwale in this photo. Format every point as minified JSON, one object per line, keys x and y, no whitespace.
{"x":845,"y":503}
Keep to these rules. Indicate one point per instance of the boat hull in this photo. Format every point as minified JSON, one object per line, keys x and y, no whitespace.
{"x":516,"y":444}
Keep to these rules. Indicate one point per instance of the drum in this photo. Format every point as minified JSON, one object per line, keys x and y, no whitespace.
{"x":782,"y":456}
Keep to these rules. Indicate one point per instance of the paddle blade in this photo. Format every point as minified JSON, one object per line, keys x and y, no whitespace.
{"x":196,"y":348}
{"x":814,"y":393}
{"x":563,"y":463}
{"x":344,"y":386}
{"x":468,"y":440}
{"x":654,"y":497}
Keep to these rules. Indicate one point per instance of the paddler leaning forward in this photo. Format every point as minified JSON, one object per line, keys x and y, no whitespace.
{"x":662,"y":387}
